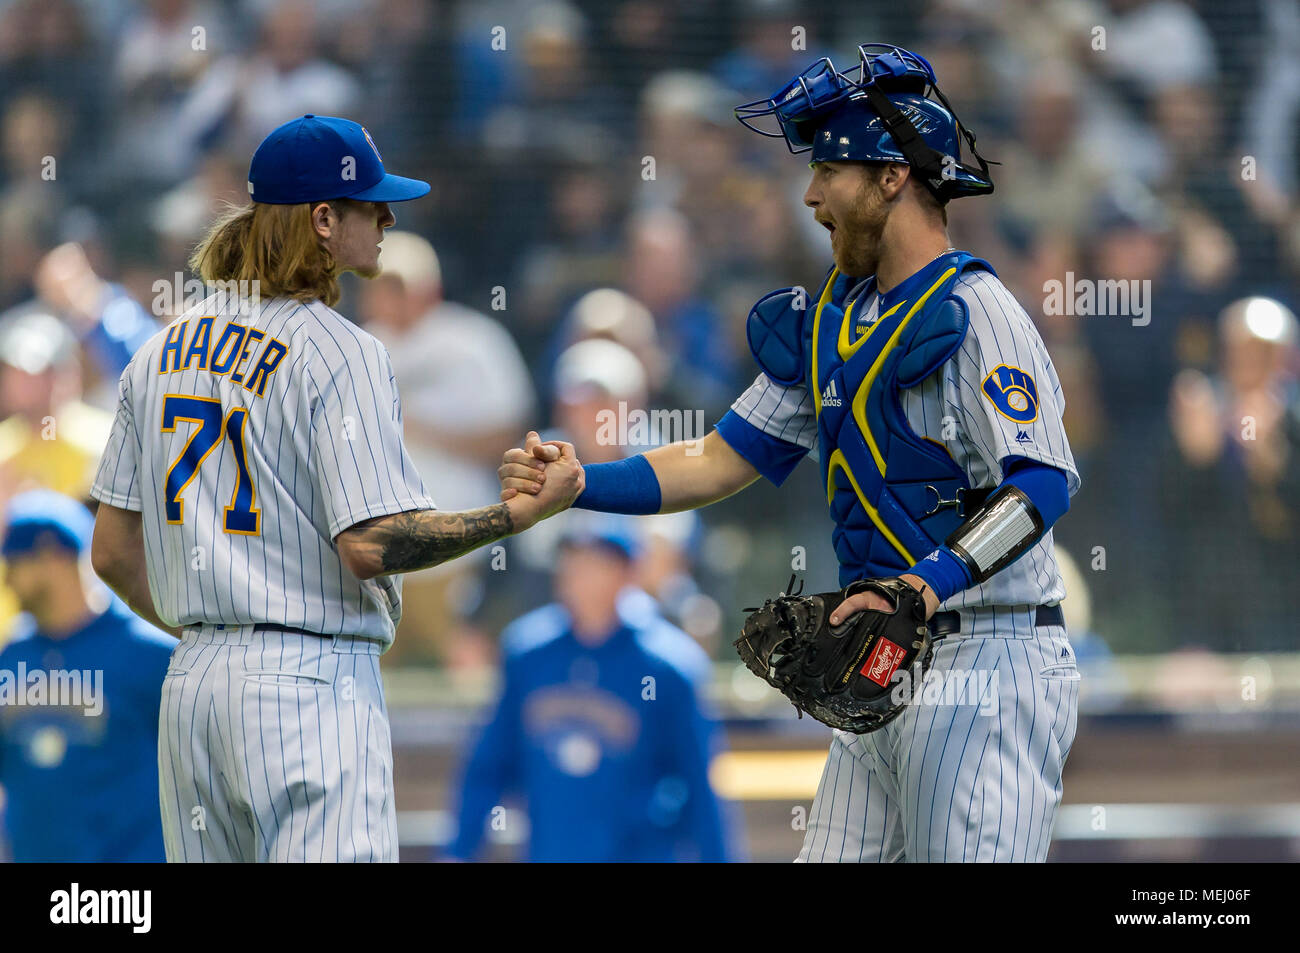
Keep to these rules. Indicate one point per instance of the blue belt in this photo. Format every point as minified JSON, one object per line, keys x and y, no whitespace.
{"x":949,"y":623}
{"x":275,"y":627}
{"x":272,"y":627}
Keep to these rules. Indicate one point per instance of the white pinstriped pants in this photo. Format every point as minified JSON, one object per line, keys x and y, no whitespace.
{"x":958,"y":782}
{"x":275,"y":746}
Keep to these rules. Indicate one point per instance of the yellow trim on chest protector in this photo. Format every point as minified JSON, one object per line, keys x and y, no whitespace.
{"x":837,"y":459}
{"x":860,"y":398}
{"x":816,"y":340}
{"x":846,"y":349}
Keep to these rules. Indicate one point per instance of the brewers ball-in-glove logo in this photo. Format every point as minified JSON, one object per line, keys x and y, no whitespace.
{"x":844,"y":676}
{"x":1013,"y":393}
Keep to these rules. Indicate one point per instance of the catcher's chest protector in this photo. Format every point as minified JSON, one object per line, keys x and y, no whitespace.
{"x":883,"y":481}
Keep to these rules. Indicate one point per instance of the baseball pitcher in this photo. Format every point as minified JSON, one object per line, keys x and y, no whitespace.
{"x":256,"y":496}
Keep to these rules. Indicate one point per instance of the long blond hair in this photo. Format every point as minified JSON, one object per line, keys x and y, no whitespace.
{"x":274,"y":245}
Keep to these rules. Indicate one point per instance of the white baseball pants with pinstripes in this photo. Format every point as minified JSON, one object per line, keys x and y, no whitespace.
{"x":275,"y":746}
{"x":951,"y":780}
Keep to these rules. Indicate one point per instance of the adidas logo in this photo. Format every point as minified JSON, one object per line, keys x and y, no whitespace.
{"x":831,"y":396}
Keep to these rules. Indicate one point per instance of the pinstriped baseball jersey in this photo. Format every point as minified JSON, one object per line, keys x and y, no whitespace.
{"x":964,"y":408}
{"x":248,"y":440}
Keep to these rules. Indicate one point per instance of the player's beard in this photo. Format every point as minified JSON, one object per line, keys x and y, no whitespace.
{"x":861,"y":231}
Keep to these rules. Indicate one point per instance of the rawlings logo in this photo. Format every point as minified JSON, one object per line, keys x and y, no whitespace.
{"x":883,"y":662}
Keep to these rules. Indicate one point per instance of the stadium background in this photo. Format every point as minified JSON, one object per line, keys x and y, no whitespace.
{"x":577,"y":146}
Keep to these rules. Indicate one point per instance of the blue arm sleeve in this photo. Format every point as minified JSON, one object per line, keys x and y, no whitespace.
{"x":771,"y":456}
{"x":489,"y":772}
{"x":624,"y":486}
{"x":1046,"y":487}
{"x":943,"y":572}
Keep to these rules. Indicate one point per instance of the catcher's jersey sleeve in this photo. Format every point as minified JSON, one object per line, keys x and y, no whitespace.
{"x":360,"y":465}
{"x":1001,"y":385}
{"x":771,"y":426}
{"x":117,"y":481}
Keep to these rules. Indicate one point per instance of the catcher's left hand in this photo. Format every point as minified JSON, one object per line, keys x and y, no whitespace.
{"x":843,"y":675}
{"x":868,"y":599}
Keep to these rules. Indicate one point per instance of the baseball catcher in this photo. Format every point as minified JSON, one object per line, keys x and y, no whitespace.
{"x":925,"y":395}
{"x":853,"y":676}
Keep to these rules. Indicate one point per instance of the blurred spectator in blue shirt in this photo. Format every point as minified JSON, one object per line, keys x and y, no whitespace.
{"x":110,"y":325}
{"x":80,"y":692}
{"x":601,"y":725}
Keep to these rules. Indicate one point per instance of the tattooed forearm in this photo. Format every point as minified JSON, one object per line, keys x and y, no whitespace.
{"x":425,"y":538}
{"x":405,"y":542}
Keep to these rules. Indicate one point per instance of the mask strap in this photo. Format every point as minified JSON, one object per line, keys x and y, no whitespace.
{"x":928,"y":161}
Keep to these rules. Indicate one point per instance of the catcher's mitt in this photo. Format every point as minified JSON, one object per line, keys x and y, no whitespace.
{"x":844,"y":676}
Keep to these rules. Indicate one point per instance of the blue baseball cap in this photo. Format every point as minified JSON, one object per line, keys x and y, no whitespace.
{"x":317,"y":158}
{"x":615,"y":533}
{"x":41,"y":518}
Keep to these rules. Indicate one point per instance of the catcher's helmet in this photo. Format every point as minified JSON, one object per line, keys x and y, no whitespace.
{"x":878,"y":111}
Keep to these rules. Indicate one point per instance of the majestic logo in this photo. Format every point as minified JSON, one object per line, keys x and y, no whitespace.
{"x":831,"y":396}
{"x":883,"y":662}
{"x":1023,"y":437}
{"x":1065,"y":653}
{"x":1013,"y":393}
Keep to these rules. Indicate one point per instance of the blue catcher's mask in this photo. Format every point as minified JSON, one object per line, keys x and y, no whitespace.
{"x":878,"y":111}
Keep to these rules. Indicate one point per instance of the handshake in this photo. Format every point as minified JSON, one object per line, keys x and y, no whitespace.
{"x":539,"y":480}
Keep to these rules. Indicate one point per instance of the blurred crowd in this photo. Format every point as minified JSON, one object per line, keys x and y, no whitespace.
{"x":600,"y":225}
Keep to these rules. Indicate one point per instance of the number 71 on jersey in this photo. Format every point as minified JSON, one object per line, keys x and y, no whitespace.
{"x":241,"y":516}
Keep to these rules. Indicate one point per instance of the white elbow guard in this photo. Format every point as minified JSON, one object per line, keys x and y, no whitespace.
{"x":998,"y":534}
